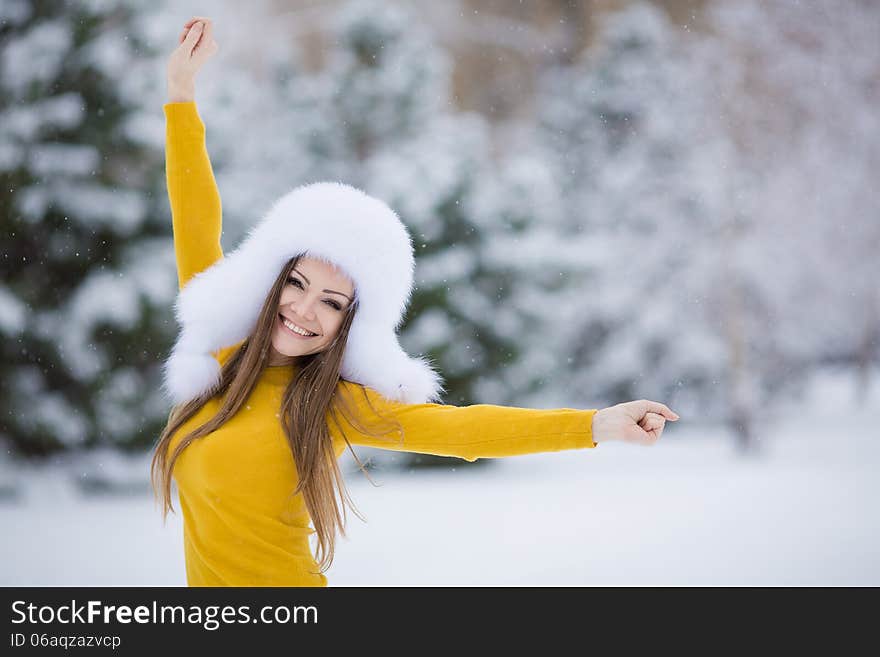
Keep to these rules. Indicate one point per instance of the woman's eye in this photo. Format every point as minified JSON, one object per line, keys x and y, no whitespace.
{"x":332,"y":304}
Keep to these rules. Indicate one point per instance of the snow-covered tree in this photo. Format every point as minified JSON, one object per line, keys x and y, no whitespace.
{"x":623,"y":131}
{"x":804,"y":125}
{"x":722,"y":181}
{"x":85,"y":270}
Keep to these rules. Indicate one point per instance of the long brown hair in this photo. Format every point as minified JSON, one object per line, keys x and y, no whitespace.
{"x":307,"y":400}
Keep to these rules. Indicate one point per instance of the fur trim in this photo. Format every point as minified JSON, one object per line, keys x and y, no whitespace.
{"x":336,"y":223}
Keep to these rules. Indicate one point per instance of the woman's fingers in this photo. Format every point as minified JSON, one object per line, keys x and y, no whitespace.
{"x":640,"y":422}
{"x":654,"y":419}
{"x":652,"y":427}
{"x":203,"y":19}
{"x":643,"y":437}
{"x":663,"y":410}
{"x":648,"y":406}
{"x":192,"y":38}
{"x":668,"y":413}
{"x":208,"y":36}
{"x":206,"y":23}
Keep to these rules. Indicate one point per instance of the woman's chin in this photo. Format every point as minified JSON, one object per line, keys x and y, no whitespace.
{"x":286,"y":351}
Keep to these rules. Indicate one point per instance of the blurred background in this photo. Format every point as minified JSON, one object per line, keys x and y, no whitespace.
{"x":609,"y":200}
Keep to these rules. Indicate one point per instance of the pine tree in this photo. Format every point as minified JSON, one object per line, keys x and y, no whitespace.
{"x":86,"y":273}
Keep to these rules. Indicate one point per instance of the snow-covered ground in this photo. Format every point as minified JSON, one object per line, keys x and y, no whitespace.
{"x":685,"y":512}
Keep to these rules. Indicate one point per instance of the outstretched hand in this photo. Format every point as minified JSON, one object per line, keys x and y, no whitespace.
{"x":640,"y":422}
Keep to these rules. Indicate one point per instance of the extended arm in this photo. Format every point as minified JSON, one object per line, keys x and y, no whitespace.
{"x":468,"y":432}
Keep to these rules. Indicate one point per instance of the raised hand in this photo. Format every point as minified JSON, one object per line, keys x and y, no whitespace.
{"x":196,"y":45}
{"x":640,"y":422}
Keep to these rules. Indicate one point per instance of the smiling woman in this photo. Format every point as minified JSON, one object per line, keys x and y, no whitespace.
{"x":262,"y":413}
{"x":311,"y":310}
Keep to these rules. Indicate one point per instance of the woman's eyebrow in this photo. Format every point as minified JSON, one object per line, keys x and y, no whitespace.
{"x":330,"y":291}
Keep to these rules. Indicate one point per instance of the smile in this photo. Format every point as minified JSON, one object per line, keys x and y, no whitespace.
{"x":292,"y":328}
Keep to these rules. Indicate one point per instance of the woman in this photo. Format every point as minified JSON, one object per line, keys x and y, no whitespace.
{"x":288,"y":354}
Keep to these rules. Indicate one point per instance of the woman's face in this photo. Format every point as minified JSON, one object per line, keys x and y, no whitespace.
{"x":315,"y":298}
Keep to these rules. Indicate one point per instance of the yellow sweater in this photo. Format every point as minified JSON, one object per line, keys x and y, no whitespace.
{"x":241,"y":527}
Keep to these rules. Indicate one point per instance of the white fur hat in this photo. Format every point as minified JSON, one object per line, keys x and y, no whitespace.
{"x":336,"y":223}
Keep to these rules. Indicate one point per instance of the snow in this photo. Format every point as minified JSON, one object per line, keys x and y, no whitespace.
{"x":15,"y":11}
{"x":36,"y":55}
{"x":12,"y":313}
{"x":23,"y":123}
{"x":688,"y":511}
{"x":103,"y":297}
{"x":63,"y":159}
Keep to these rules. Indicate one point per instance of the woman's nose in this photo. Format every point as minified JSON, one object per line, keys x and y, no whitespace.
{"x":303,"y":308}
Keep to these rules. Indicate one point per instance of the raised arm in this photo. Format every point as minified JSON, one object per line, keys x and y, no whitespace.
{"x":468,"y":432}
{"x":196,"y":210}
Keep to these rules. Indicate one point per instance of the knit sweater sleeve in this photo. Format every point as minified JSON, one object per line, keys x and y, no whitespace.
{"x":192,"y":191}
{"x":468,"y":432}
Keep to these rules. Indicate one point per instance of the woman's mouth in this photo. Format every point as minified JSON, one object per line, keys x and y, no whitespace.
{"x":286,"y":327}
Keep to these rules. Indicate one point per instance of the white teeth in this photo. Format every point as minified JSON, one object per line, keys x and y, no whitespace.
{"x":296,"y":329}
